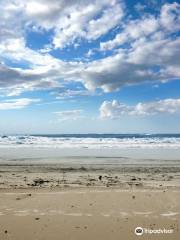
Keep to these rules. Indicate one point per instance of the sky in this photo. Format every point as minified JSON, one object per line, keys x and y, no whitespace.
{"x":81,"y":66}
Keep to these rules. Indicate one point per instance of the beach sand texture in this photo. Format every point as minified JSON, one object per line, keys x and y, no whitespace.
{"x":88,"y":214}
{"x":88,"y":202}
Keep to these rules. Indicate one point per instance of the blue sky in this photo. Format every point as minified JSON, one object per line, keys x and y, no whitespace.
{"x":110,"y":66}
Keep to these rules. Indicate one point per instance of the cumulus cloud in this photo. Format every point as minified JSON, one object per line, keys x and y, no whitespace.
{"x":167,"y":22}
{"x":115,"y":109}
{"x":133,"y":30}
{"x":170,"y":14}
{"x":14,"y":81}
{"x":150,"y":53}
{"x":69,"y":114}
{"x":68,"y":20}
{"x":140,"y":64}
{"x":74,"y":21}
{"x":88,"y":20}
{"x":71,"y":20}
{"x":17,"y":103}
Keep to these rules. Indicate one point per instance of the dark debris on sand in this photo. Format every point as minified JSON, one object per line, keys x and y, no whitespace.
{"x":39,"y":182}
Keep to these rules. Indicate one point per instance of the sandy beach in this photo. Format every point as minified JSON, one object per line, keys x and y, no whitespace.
{"x":88,"y":214}
{"x":76,"y":201}
{"x":89,"y":120}
{"x":101,"y":192}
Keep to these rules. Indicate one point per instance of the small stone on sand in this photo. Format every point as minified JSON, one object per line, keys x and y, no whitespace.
{"x":100,"y":177}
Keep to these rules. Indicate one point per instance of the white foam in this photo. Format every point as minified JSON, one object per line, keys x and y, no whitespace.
{"x":90,"y":143}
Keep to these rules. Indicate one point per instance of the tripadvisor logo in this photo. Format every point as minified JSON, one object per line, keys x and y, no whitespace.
{"x":139,"y":231}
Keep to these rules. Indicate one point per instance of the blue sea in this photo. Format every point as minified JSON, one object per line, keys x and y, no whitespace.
{"x":90,"y":149}
{"x":92,"y":141}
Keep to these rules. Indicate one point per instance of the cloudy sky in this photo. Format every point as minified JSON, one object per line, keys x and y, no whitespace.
{"x":84,"y":66}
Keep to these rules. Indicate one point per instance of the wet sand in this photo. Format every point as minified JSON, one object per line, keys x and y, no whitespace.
{"x":88,"y":201}
{"x":88,"y":214}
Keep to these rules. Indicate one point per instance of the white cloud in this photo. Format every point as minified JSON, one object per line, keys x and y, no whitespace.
{"x":137,"y":65}
{"x":89,"y":53}
{"x":170,"y":14}
{"x":119,"y":39}
{"x":168,"y":21}
{"x":115,"y":109}
{"x":109,"y":19}
{"x":69,"y":93}
{"x":112,"y":109}
{"x":14,"y":81}
{"x":144,"y":52}
{"x":69,"y":114}
{"x":42,"y":70}
{"x":17,"y":103}
{"x":72,"y":21}
{"x":138,"y":61}
{"x":133,"y":30}
{"x":88,"y":20}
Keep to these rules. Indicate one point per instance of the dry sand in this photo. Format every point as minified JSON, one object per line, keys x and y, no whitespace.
{"x":88,"y":202}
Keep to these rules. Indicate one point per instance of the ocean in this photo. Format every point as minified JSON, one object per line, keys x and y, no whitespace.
{"x":90,"y":149}
{"x":92,"y":141}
